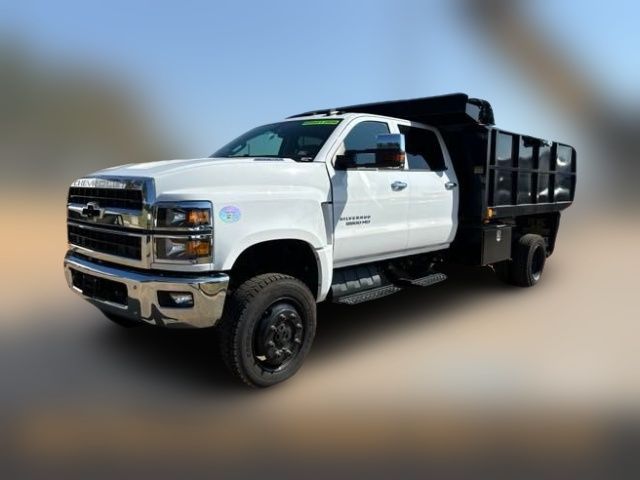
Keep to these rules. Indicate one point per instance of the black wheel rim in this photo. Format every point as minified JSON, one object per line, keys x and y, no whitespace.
{"x":537,"y":263}
{"x":278,"y":336}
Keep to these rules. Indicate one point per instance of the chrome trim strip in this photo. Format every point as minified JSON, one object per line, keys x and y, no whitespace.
{"x":146,"y":256}
{"x":117,"y":217}
{"x":107,"y":182}
{"x":96,"y":228}
{"x":209,"y":293}
{"x":183,"y":267}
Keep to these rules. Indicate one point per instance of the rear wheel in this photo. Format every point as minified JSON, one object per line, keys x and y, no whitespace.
{"x":527,"y":263}
{"x":268,"y":329}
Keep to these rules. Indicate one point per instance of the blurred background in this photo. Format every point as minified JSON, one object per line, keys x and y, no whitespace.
{"x":468,"y":376}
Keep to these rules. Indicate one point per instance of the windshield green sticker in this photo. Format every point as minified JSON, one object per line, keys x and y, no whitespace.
{"x":321,"y":122}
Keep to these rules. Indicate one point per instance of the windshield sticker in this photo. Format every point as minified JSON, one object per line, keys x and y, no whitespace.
{"x":229,"y":214}
{"x":321,"y":122}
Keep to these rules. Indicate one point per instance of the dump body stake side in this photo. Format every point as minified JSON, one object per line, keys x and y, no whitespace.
{"x":347,"y":205}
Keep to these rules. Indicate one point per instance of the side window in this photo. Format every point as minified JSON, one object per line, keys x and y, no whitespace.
{"x":363,"y":137}
{"x":423,"y":149}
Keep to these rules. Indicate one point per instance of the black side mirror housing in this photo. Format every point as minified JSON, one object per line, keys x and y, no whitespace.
{"x":345,"y":161}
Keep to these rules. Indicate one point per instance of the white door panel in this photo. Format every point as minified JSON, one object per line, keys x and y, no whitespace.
{"x":370,"y":216}
{"x":433,"y":211}
{"x":434,"y":208}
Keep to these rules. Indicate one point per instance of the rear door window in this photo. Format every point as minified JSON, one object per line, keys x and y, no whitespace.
{"x":423,"y":149}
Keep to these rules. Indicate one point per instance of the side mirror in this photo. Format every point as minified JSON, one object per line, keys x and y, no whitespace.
{"x":390,"y":150}
{"x":389,"y":153}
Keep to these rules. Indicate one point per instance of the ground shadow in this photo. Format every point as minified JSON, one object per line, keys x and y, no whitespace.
{"x":340,"y":327}
{"x":189,"y":356}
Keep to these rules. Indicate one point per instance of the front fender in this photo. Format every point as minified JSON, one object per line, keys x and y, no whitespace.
{"x":255,"y":238}
{"x":247,"y":222}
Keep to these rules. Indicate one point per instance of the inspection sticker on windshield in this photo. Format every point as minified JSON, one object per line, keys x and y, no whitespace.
{"x":321,"y":122}
{"x":229,"y":214}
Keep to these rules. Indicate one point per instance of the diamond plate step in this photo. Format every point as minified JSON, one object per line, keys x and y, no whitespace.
{"x":368,"y":295}
{"x":427,"y":281}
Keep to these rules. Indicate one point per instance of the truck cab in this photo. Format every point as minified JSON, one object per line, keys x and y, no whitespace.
{"x":344,"y":205}
{"x":383,"y":212}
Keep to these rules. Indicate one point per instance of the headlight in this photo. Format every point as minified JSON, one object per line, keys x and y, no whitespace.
{"x":183,"y":232}
{"x":185,"y":215}
{"x":189,"y":249}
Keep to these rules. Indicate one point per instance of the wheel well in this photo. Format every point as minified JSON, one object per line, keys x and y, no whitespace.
{"x":546,"y":225}
{"x":290,"y":257}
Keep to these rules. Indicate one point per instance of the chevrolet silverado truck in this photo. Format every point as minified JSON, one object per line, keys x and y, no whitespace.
{"x":345,"y":205}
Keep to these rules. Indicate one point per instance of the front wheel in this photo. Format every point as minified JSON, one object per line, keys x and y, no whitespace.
{"x":268,"y":329}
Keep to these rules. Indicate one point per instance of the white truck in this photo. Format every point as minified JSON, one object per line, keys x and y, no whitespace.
{"x":344,"y":205}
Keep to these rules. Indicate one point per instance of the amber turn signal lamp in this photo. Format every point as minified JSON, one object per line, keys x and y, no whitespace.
{"x":198,"y":248}
{"x":198,"y":217}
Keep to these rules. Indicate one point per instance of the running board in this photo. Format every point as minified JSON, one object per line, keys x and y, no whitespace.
{"x":427,"y":281}
{"x":366,"y":295}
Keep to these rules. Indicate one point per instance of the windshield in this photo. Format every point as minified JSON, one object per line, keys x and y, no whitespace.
{"x":299,"y":140}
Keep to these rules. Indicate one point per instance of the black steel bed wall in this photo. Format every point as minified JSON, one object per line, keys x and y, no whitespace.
{"x":529,"y":173}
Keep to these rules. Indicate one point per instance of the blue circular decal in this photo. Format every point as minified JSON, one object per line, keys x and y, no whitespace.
{"x":229,"y":214}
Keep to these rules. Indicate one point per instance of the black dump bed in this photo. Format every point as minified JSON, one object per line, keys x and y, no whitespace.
{"x":504,"y":174}
{"x":501,"y":174}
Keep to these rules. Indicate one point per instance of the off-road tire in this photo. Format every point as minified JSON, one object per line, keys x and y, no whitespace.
{"x":245,"y":312}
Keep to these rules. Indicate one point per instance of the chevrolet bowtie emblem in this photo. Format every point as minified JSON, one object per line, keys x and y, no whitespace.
{"x":92,"y":210}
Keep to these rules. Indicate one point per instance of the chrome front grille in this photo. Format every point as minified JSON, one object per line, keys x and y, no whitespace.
{"x":106,"y":241}
{"x":111,"y":218}
{"x":107,"y":197}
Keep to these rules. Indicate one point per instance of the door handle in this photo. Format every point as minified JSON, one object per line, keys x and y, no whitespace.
{"x":450,"y":185}
{"x":397,"y":186}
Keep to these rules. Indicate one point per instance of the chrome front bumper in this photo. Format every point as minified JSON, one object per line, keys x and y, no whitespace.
{"x":142,"y":289}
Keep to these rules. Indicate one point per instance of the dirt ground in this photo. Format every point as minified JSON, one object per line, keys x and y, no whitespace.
{"x":444,"y":372}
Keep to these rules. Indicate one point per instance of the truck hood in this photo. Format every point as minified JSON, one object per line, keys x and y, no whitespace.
{"x":227,"y":179}
{"x":168,"y":167}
